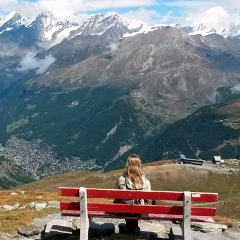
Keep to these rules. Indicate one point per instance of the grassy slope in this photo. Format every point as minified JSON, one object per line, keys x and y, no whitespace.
{"x":166,"y":177}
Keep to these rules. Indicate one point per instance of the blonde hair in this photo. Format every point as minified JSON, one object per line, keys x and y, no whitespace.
{"x":133,"y":169}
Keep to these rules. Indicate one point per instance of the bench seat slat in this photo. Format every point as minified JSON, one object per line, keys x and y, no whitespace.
{"x":150,"y":217}
{"x":156,"y":195}
{"x":121,"y":208}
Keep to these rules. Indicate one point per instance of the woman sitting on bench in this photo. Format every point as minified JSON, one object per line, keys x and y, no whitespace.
{"x":132,"y":179}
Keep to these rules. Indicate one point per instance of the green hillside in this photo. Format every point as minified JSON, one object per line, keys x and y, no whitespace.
{"x":212,"y":130}
{"x":88,"y":123}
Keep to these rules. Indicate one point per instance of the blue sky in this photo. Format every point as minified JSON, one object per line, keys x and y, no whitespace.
{"x":150,"y":12}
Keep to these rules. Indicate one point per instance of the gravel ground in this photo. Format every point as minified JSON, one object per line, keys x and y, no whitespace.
{"x":41,"y":222}
{"x":229,"y":234}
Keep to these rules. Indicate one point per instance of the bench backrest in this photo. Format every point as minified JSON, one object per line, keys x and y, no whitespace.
{"x":130,"y":194}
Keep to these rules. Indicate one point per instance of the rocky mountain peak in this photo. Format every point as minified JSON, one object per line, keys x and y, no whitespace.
{"x":107,"y":23}
{"x":46,"y":29}
{"x":52,"y":30}
{"x":48,"y":20}
{"x":13,"y":20}
{"x":197,"y":28}
{"x":233,"y":31}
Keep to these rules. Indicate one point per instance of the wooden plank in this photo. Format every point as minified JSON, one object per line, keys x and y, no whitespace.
{"x":186,"y":223}
{"x":204,"y":197}
{"x":130,"y":194}
{"x":84,"y":221}
{"x":125,"y":208}
{"x":150,"y":217}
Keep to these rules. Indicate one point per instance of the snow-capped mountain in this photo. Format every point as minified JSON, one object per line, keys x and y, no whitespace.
{"x":20,"y":36}
{"x":233,"y":31}
{"x":107,"y":24}
{"x":195,"y":29}
{"x":13,"y":20}
{"x":52,"y":30}
{"x":45,"y":29}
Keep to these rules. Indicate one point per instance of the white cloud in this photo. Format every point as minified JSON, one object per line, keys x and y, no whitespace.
{"x":187,"y":4}
{"x":113,"y":46}
{"x":72,"y":10}
{"x":218,"y":14}
{"x":228,"y":4}
{"x":148,"y":17}
{"x":29,"y":62}
{"x":8,"y":5}
{"x":235,"y":89}
{"x":187,"y":10}
{"x":215,"y":17}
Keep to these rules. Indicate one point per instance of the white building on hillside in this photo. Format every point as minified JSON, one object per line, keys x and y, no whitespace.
{"x":218,"y":160}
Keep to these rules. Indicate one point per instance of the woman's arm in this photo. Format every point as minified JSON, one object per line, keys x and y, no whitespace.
{"x":121,"y":183}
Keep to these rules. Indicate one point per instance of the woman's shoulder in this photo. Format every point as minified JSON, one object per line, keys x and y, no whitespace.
{"x":144,"y":178}
{"x":124,"y":175}
{"x":146,"y":183}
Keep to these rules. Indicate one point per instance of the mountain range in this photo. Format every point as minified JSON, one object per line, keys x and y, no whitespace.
{"x":87,"y":95}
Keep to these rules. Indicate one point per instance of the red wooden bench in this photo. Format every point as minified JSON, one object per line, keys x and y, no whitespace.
{"x":185,"y":213}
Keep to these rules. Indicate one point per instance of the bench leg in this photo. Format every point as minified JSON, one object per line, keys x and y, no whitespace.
{"x":186,"y":224}
{"x":84,"y":222}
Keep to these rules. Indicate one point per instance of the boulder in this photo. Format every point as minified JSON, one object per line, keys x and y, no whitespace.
{"x":29,"y":230}
{"x":76,"y":224}
{"x":101,"y":229}
{"x":40,"y":206}
{"x":13,"y":193}
{"x":232,"y":233}
{"x":209,"y":227}
{"x":176,"y":234}
{"x":16,"y":206}
{"x":31,"y":205}
{"x":39,"y":197}
{"x":53,"y":204}
{"x":156,"y":229}
{"x":6,"y":207}
{"x":58,"y":228}
{"x":22,"y":207}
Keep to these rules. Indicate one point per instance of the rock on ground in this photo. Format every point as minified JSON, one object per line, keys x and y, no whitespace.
{"x":58,"y":227}
{"x":29,"y":230}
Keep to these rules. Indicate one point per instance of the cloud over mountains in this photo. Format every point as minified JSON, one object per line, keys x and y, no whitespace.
{"x":29,"y":62}
{"x":218,"y":14}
